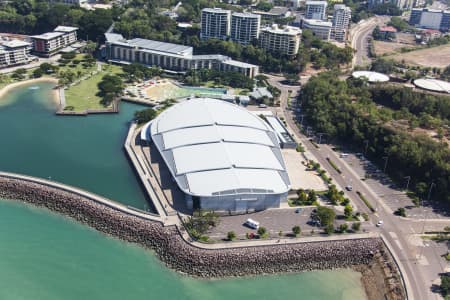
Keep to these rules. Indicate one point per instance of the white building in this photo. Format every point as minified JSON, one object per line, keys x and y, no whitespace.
{"x":168,"y":56}
{"x":50,"y":43}
{"x":221,"y":156}
{"x":14,"y":52}
{"x":316,"y":10}
{"x":285,"y":41}
{"x":320,"y":29}
{"x":341,"y":19}
{"x":215,"y":23}
{"x":245,"y":27}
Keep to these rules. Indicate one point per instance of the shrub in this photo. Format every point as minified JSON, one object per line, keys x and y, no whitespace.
{"x":356,"y":226}
{"x":296,"y":230}
{"x":231,"y":235}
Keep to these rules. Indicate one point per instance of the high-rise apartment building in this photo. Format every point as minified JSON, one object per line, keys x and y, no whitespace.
{"x":245,"y":27}
{"x":215,"y":23}
{"x":320,"y":29}
{"x":341,"y":19}
{"x":285,"y":41}
{"x":316,"y":10}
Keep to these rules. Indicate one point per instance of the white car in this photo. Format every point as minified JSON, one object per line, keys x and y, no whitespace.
{"x":379,"y":223}
{"x":349,"y":187}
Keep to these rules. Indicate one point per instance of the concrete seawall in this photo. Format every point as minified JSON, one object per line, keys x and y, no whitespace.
{"x":136,"y":227}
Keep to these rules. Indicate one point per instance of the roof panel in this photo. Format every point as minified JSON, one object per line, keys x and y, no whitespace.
{"x":252,"y":156}
{"x":200,"y":157}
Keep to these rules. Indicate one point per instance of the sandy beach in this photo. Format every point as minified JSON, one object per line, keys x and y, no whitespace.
{"x":9,"y":87}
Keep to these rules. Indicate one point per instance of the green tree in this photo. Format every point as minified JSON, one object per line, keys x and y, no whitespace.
{"x":145,"y":115}
{"x":445,"y":285}
{"x":19,"y":74}
{"x":326,"y":215}
{"x":356,"y":226}
{"x":296,"y":230}
{"x":329,"y":229}
{"x":231,"y":235}
{"x":312,"y":197}
{"x":343,"y":227}
{"x":348,"y":210}
{"x":262,"y":232}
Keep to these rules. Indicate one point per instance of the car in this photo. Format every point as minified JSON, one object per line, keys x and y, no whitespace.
{"x":349,"y":187}
{"x":344,"y":155}
{"x":252,"y":224}
{"x":262,"y":105}
{"x":380,"y":223}
{"x":298,"y":210}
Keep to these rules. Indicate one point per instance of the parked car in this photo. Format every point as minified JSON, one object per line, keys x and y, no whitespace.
{"x":349,"y":187}
{"x":298,"y":210}
{"x":252,"y":224}
{"x":380,"y":223}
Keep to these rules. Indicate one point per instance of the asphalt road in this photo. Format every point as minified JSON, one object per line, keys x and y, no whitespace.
{"x":418,"y":265}
{"x":359,"y":38}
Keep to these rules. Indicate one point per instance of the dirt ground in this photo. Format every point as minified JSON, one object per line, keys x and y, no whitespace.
{"x":430,"y":57}
{"x":404,"y":40}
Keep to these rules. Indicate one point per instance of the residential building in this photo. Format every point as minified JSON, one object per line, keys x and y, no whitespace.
{"x":430,"y":18}
{"x":341,"y":19}
{"x":284,"y":41}
{"x":316,"y":10}
{"x":170,"y":57}
{"x":321,"y":29}
{"x":50,"y":43}
{"x":372,"y":3}
{"x":215,"y":23}
{"x":14,"y":52}
{"x":245,"y":27}
{"x":220,"y":155}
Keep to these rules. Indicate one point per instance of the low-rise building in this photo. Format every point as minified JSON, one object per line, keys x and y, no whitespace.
{"x":50,"y":43}
{"x":430,"y":18}
{"x":321,"y":29}
{"x":388,"y":33}
{"x":14,"y":52}
{"x":168,"y":56}
{"x":285,"y":41}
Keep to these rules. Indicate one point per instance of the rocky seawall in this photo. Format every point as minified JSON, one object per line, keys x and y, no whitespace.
{"x":184,"y":257}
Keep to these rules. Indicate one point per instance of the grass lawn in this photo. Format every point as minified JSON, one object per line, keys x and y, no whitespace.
{"x":84,"y":95}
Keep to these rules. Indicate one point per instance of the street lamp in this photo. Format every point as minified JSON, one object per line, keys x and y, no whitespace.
{"x":429,"y":191}
{"x":407,"y":183}
{"x":366,"y":143}
{"x":320,"y":137}
{"x":301,"y":120}
{"x":386,"y":158}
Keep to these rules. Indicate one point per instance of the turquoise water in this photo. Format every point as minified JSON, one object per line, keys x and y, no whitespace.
{"x":47,"y":256}
{"x":86,"y":152}
{"x":186,"y":91}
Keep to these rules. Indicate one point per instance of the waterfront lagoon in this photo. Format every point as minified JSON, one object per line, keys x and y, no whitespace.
{"x":47,"y":256}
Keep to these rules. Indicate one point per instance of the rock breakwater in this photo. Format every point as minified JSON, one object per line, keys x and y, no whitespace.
{"x":184,"y":257}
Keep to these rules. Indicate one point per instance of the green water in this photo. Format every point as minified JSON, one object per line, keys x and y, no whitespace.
{"x":47,"y":256}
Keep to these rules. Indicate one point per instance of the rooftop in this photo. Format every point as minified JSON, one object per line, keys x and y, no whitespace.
{"x":14,"y":43}
{"x":246,"y":15}
{"x":388,"y":29}
{"x":213,"y":147}
{"x":314,"y":22}
{"x":160,"y":46}
{"x":371,"y":76}
{"x":285,"y":30}
{"x":48,"y":35}
{"x":65,"y":29}
{"x":217,"y":10}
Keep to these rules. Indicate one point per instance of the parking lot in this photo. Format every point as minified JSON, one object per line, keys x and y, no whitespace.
{"x":274,"y":220}
{"x":393,"y":196}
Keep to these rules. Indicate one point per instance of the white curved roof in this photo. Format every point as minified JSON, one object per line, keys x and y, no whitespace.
{"x":433,"y":85}
{"x":371,"y":76}
{"x":213,"y":147}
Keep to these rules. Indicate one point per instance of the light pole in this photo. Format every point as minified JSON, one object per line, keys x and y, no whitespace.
{"x":407,"y":183}
{"x":366,"y":145}
{"x":307,"y":130}
{"x":320,"y":137}
{"x":301,"y":120}
{"x":386,"y":158}
{"x":429,"y":191}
